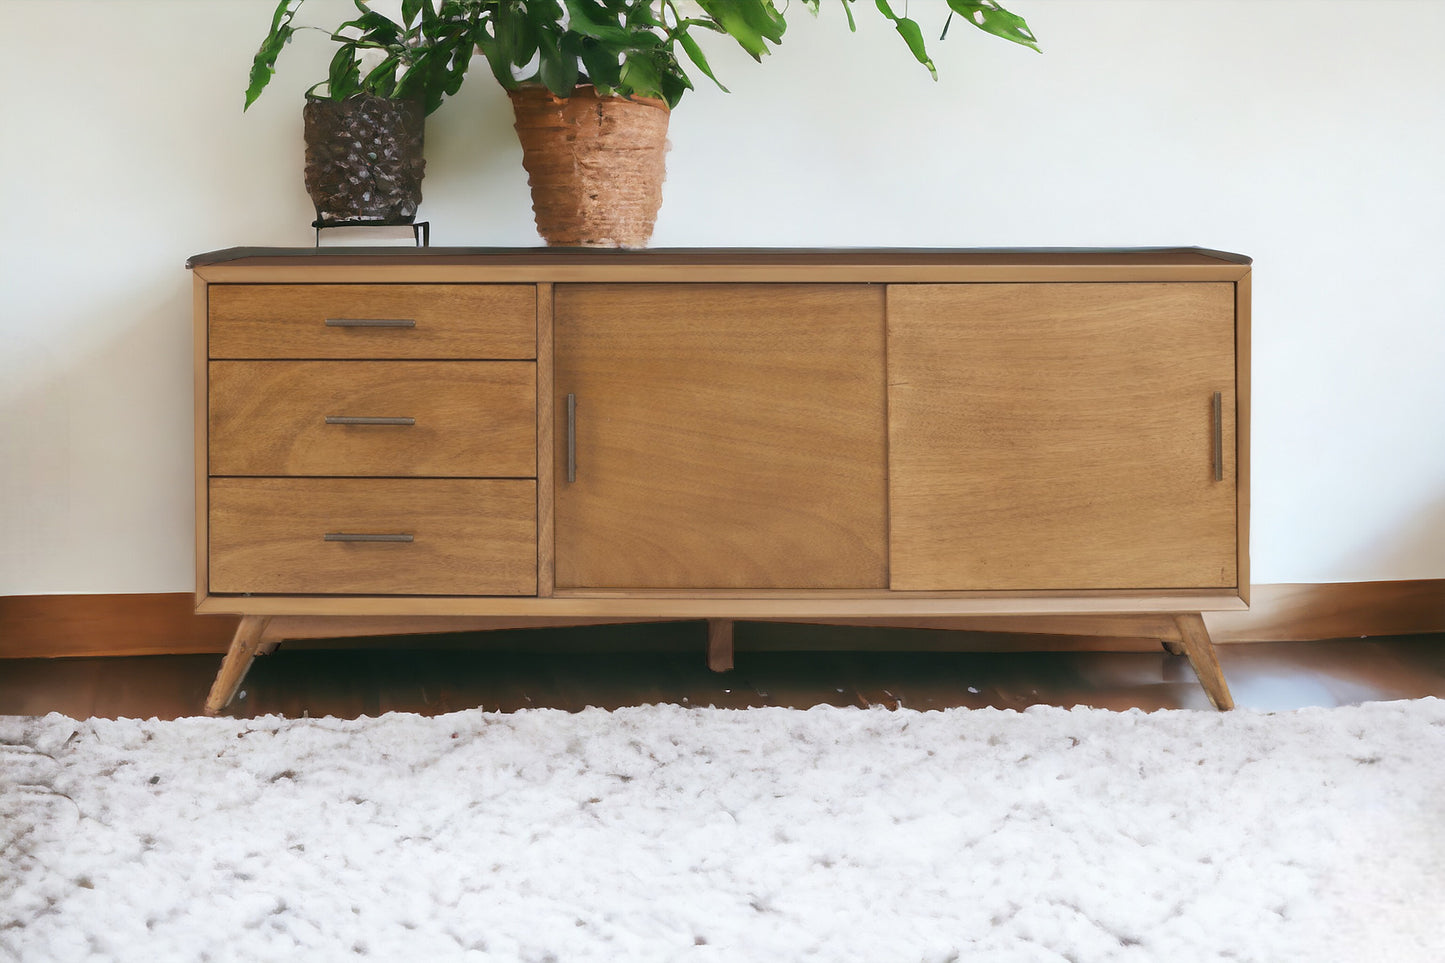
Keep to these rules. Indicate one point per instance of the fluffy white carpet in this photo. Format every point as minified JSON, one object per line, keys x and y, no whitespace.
{"x":661,"y":833}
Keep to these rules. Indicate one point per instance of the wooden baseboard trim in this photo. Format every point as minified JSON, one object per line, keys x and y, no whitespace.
{"x":57,"y":626}
{"x":62,"y":626}
{"x":1333,"y":610}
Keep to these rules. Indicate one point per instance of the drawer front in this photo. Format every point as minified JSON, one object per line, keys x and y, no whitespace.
{"x":372,"y":321}
{"x":406,"y":537}
{"x":469,"y":419}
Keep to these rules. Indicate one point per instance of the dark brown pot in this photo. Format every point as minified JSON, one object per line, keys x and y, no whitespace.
{"x":596,"y":165}
{"x":364,"y":159}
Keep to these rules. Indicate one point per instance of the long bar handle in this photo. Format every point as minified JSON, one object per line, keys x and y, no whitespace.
{"x":1218,"y":436}
{"x":350,"y":420}
{"x":571,"y":439}
{"x":365,"y":537}
{"x":370,"y":323}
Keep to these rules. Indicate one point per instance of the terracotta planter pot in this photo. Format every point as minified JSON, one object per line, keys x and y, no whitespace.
{"x":364,"y":159}
{"x":596,"y":165}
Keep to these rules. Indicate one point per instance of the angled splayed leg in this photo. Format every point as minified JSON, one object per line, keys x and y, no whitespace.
{"x":1194,"y":638}
{"x":244,"y":647}
{"x":720,"y":645}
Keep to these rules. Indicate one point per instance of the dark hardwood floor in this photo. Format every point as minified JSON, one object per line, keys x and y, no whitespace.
{"x":613,"y":666}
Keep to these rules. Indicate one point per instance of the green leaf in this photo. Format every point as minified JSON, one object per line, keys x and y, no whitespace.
{"x":989,"y":17}
{"x":344,"y":77}
{"x":263,"y":66}
{"x":765,"y":18}
{"x":371,"y":27}
{"x":382,"y":80}
{"x":604,"y":67}
{"x":640,"y":77}
{"x":752,"y":23}
{"x":371,"y":15}
{"x":454,"y":70}
{"x":583,"y":19}
{"x":409,"y":10}
{"x":695,"y":54}
{"x":673,"y":87}
{"x":911,"y":34}
{"x":639,"y":13}
{"x":424,"y":81}
{"x":497,"y":60}
{"x":517,"y":36}
{"x":558,"y":71}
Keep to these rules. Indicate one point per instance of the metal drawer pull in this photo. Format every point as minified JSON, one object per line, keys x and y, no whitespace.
{"x":349,"y":420}
{"x":370,"y":323}
{"x":363,"y":537}
{"x":1218,"y":436}
{"x":571,"y":439}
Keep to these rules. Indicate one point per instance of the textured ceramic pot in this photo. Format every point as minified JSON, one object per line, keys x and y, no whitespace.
{"x":364,"y":159}
{"x":596,"y":165}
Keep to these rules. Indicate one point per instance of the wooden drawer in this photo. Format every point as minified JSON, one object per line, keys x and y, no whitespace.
{"x":468,"y":537}
{"x":341,"y":321}
{"x":471,"y":419}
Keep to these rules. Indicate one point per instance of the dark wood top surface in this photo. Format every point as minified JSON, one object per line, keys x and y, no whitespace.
{"x":542,"y":256}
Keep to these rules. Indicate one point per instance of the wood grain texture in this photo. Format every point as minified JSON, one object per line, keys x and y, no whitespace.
{"x":55,"y":626}
{"x":1154,"y":627}
{"x":1243,"y":361}
{"x":239,"y":656}
{"x":778,"y":270}
{"x":726,"y":437}
{"x":541,"y":260}
{"x":472,"y":537}
{"x":546,"y":439}
{"x":45,"y":626}
{"x":1059,"y":436}
{"x":473,"y":419}
{"x":339,"y":627}
{"x":1194,"y":638}
{"x":200,"y":395}
{"x":720,"y":645}
{"x":469,"y":265}
{"x":1334,"y":610}
{"x":781,"y":605}
{"x":476,"y":321}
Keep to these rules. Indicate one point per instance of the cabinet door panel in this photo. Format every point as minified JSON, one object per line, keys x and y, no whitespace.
{"x":1061,"y":436}
{"x":727,"y":436}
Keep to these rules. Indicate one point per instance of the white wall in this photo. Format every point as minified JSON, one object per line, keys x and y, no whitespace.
{"x":1308,"y":134}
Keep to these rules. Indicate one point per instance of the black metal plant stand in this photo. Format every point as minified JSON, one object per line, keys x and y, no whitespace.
{"x":420,"y":230}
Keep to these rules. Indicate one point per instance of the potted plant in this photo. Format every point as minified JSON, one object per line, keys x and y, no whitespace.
{"x":364,"y":124}
{"x":595,"y":79}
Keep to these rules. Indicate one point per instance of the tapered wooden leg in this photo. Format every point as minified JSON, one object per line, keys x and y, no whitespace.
{"x":238,"y":659}
{"x":720,"y":645}
{"x":1195,"y":638}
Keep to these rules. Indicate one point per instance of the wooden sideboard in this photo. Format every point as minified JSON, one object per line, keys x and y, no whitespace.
{"x":439,"y":439}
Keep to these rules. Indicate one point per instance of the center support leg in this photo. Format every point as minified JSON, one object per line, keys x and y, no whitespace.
{"x":720,"y":645}
{"x":1194,"y":637}
{"x":244,"y":646}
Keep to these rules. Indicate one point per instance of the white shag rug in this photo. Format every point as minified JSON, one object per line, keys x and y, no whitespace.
{"x":667,"y":833}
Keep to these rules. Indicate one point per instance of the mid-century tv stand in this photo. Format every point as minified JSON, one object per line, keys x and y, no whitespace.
{"x":448,"y":439}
